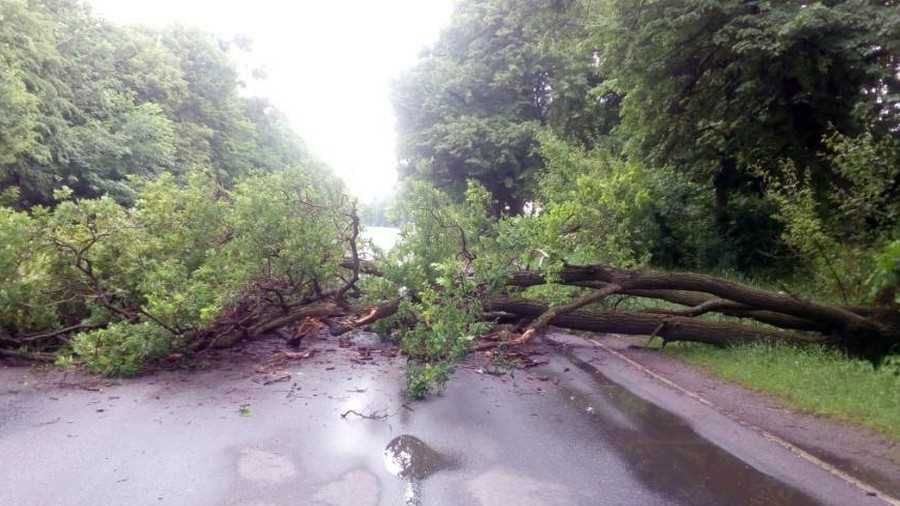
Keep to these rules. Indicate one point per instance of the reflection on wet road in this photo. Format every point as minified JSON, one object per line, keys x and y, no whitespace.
{"x":665,"y":454}
{"x":559,"y":434}
{"x":409,"y":458}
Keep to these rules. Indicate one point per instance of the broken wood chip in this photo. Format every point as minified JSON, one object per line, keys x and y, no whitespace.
{"x":295,"y":355}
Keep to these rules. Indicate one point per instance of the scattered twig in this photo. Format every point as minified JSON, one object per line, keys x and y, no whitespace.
{"x":51,"y":422}
{"x":279,"y":379}
{"x":491,"y":371}
{"x":373,"y":416}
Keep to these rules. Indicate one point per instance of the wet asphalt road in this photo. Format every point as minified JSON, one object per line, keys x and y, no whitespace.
{"x":583,"y":429}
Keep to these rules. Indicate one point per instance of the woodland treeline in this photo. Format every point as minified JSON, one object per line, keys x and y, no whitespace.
{"x":714,"y":171}
{"x":598,"y":146}
{"x":705,"y":111}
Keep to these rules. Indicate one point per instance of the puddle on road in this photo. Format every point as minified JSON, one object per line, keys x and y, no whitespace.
{"x":409,"y":458}
{"x":667,"y":455}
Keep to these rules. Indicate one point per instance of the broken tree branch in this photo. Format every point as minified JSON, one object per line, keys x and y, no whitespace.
{"x":354,"y":257}
{"x":317,"y":310}
{"x":35,"y":356}
{"x":372,"y":315}
{"x":55,"y":334}
{"x":550,"y":314}
{"x":861,"y":330}
{"x":375,"y":415}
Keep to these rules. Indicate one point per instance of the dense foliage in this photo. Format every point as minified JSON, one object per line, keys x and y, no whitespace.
{"x":85,"y":104}
{"x":136,"y":283}
{"x":726,"y":98}
{"x":471,"y":109}
{"x":756,"y":139}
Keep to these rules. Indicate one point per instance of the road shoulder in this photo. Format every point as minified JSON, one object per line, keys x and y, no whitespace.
{"x":857,"y":451}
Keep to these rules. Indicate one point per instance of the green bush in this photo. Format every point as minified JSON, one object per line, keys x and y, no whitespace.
{"x":122,"y":349}
{"x":26,"y":281}
{"x":423,"y":379}
{"x":845,"y":232}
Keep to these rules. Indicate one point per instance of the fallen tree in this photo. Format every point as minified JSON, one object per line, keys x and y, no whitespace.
{"x":744,"y":313}
{"x":190,"y":266}
{"x":712,"y":310}
{"x":869,"y":331}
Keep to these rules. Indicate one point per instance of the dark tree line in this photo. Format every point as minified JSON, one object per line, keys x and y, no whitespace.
{"x":732,"y":95}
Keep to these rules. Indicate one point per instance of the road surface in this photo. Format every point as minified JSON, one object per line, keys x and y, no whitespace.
{"x":334,"y":429}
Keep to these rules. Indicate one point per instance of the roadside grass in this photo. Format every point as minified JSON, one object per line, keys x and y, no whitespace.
{"x":813,"y":379}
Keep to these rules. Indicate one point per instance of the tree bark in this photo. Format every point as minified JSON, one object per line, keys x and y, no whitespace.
{"x":670,"y":328}
{"x":869,"y":332}
{"x":662,"y":285}
{"x":374,"y":314}
{"x":863,"y":330}
{"x":317,"y":310}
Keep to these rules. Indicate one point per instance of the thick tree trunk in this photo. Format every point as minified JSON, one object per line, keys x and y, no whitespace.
{"x":699,"y":303}
{"x":723,"y":183}
{"x":670,"y":328}
{"x":754,"y":299}
{"x":863,"y":330}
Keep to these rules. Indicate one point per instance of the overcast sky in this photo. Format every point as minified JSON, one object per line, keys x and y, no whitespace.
{"x":330,"y":64}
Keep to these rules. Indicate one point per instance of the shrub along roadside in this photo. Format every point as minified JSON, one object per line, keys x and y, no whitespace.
{"x":814,"y":379}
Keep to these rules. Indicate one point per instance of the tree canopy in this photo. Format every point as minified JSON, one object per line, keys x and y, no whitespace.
{"x":729,"y":94}
{"x":87,"y":104}
{"x":720,"y":89}
{"x":472,"y":107}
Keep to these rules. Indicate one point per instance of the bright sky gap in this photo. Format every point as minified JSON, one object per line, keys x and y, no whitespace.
{"x":329,"y":67}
